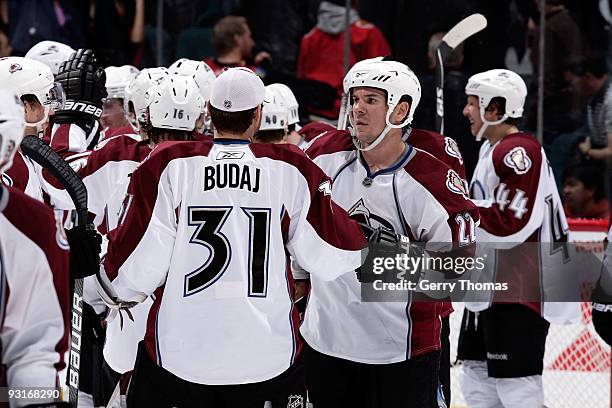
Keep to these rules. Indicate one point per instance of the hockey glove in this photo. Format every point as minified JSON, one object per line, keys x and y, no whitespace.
{"x":602,"y":320}
{"x":381,"y":236}
{"x":84,"y":83}
{"x":85,"y":247}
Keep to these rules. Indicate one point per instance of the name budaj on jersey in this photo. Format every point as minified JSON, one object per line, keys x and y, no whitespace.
{"x":231,"y":175}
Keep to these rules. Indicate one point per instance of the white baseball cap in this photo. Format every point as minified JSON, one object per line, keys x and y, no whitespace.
{"x":237,"y":89}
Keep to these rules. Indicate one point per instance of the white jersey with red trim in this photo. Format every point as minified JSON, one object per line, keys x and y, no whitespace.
{"x":23,"y":176}
{"x":419,"y":197}
{"x":515,"y":189}
{"x":34,"y":292}
{"x":208,"y":230}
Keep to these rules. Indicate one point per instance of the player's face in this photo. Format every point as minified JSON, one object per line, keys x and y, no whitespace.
{"x":472,"y":112}
{"x":575,"y":194}
{"x":113,"y":114}
{"x":34,"y":112}
{"x":369,"y":111}
{"x":246,"y":43}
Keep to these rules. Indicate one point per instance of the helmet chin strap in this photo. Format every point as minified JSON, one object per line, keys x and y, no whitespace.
{"x":487,"y":123}
{"x":360,"y":144}
{"x":40,"y":128}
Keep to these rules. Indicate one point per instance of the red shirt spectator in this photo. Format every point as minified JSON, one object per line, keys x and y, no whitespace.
{"x":322,"y":49}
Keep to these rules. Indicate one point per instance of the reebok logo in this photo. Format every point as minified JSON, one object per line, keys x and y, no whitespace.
{"x":501,"y":356}
{"x":229,"y":155}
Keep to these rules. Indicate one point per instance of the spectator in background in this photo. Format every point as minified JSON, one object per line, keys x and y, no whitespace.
{"x":121,"y":42}
{"x":5,"y":44}
{"x":278,"y":27}
{"x":322,"y":49}
{"x":564,"y":42}
{"x":233,"y":44}
{"x":589,"y":75}
{"x":31,"y":21}
{"x":583,"y":192}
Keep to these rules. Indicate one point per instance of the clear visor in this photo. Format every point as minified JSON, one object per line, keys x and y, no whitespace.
{"x":55,"y":97}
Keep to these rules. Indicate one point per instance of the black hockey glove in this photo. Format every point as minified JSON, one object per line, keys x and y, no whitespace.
{"x":85,"y":247}
{"x":380,"y":236}
{"x":84,"y":83}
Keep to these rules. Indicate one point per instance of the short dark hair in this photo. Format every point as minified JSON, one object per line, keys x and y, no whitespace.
{"x":30,"y":99}
{"x":590,"y":175}
{"x":224,"y":32}
{"x":594,"y":65}
{"x":270,"y":136}
{"x":231,"y":122}
{"x":157,"y":135}
{"x":499,"y":104}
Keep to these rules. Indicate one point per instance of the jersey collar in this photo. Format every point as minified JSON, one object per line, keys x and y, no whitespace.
{"x":400,"y":163}
{"x":227,"y":141}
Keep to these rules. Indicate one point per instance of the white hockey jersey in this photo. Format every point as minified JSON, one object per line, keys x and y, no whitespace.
{"x":23,"y":176}
{"x":515,"y":189}
{"x":106,"y":173}
{"x":34,"y":292}
{"x":208,"y":229}
{"x":420,"y":197}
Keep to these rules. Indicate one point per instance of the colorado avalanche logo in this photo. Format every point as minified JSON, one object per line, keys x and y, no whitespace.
{"x":14,"y":68}
{"x":360,"y":213}
{"x":452,"y":149}
{"x":518,"y":160}
{"x":456,"y":184}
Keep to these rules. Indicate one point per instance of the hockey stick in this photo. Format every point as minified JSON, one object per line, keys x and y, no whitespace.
{"x":42,"y":154}
{"x":458,"y":34}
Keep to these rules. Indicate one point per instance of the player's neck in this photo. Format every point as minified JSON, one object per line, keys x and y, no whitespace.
{"x":227,"y":135}
{"x":496,"y":133}
{"x":387,"y":153}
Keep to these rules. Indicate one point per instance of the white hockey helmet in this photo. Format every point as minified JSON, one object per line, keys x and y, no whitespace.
{"x":285,"y":94}
{"x":136,"y":90}
{"x":501,"y":83}
{"x":50,"y":53}
{"x":176,"y":103}
{"x":117,"y":78}
{"x":393,"y":77}
{"x":274,"y":115}
{"x":25,"y":76}
{"x":201,"y":73}
{"x":12,"y":125}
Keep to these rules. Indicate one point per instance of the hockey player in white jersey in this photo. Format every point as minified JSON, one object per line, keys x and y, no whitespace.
{"x":513,"y":185}
{"x":114,"y":119}
{"x":362,"y":353}
{"x":50,"y":53}
{"x":203,"y":76}
{"x":287,"y":98}
{"x":212,"y":225}
{"x":106,"y":176}
{"x":33,"y":82}
{"x":35,"y":281}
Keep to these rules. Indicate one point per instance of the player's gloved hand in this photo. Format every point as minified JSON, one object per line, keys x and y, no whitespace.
{"x":84,"y":83}
{"x":380,"y":236}
{"x":85,"y":247}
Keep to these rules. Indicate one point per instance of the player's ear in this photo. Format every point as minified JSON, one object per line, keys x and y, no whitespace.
{"x":400,"y":112}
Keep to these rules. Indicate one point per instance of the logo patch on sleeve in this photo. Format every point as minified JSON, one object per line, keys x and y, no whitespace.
{"x":455,"y":183}
{"x":518,"y":160}
{"x":452,"y":149}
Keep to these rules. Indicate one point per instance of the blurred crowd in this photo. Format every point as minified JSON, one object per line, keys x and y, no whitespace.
{"x":301,"y":43}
